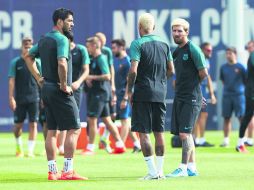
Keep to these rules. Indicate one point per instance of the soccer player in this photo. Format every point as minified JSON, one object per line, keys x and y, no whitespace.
{"x":122,"y":66}
{"x":57,"y":94}
{"x":80,"y":70}
{"x":25,"y":100}
{"x":206,"y":83}
{"x":112,"y":103}
{"x":233,"y":76}
{"x":151,"y":64}
{"x":98,"y":97}
{"x":249,"y":94}
{"x":190,"y":68}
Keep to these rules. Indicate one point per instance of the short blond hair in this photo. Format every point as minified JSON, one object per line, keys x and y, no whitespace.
{"x":101,"y":37}
{"x":181,"y":22}
{"x":146,"y":21}
{"x":94,"y":40}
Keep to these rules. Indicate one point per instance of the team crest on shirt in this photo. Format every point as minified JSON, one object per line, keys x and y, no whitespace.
{"x":185,"y":57}
{"x":237,"y":70}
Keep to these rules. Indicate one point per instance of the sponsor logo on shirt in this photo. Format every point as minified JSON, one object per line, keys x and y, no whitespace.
{"x":19,"y":68}
{"x":185,"y":57}
{"x":74,"y":53}
{"x":237,"y":70}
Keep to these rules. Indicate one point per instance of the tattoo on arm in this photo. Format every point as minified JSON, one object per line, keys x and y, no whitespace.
{"x":131,"y":81}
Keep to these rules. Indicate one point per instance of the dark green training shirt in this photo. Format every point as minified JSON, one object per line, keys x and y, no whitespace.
{"x":249,"y":90}
{"x":26,"y":88}
{"x":188,"y":60}
{"x":99,"y":66}
{"x":80,"y":58}
{"x":153,"y":55}
{"x":50,"y":47}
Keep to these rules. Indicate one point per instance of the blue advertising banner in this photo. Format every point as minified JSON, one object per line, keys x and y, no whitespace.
{"x":117,"y":19}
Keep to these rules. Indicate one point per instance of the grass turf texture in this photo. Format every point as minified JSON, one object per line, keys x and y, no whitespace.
{"x":219,"y":168}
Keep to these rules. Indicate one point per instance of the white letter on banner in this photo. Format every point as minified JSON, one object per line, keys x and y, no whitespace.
{"x":124,"y":28}
{"x":22,"y":27}
{"x":208,"y":18}
{"x":5,"y":37}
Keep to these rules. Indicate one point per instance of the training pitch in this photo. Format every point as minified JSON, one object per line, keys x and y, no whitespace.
{"x":219,"y":168}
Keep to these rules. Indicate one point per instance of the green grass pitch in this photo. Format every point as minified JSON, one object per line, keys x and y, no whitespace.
{"x":219,"y":168}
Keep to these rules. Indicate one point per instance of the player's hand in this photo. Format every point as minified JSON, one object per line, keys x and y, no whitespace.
{"x":123,"y":104}
{"x":75,"y":85}
{"x":13,"y":104}
{"x":89,"y":83}
{"x":40,"y":82}
{"x":113,"y":90}
{"x":66,"y":89}
{"x":213,"y":99}
{"x":114,"y":99}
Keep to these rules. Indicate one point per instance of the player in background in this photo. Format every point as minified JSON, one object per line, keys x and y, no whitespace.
{"x":206,"y":84}
{"x":80,"y":70}
{"x":24,"y":98}
{"x":123,"y":108}
{"x":233,"y":77}
{"x":112,"y":103}
{"x":98,"y":97}
{"x":249,"y":95}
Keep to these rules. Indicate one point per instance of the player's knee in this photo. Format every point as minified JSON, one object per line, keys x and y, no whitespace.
{"x":183,"y":136}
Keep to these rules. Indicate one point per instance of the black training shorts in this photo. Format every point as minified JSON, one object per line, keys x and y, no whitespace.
{"x":61,"y":109}
{"x":148,"y":117}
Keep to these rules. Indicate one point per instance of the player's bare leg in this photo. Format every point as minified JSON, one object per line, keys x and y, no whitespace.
{"x":31,"y":139}
{"x":159,"y":152}
{"x":17,"y":130}
{"x":120,"y":148}
{"x":136,"y":142}
{"x":92,"y":122}
{"x":226,"y":131}
{"x":61,"y":137}
{"x":51,"y":149}
{"x":125,"y":129}
{"x":148,"y":154}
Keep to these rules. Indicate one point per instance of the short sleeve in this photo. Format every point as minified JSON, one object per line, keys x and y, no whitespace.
{"x":135,"y":53}
{"x":110,"y":57}
{"x":34,"y":51}
{"x":102,"y":63}
{"x":12,"y":68}
{"x":85,"y":56}
{"x":198,"y":57}
{"x":170,"y":58}
{"x":63,"y":47}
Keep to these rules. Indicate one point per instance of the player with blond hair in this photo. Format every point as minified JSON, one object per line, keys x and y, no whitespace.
{"x":151,"y":64}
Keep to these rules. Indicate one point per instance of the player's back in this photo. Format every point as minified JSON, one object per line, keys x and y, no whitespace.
{"x":151,"y":81}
